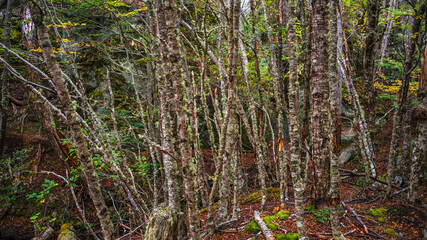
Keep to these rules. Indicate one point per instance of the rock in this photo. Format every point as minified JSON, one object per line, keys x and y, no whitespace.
{"x":347,"y":153}
{"x":66,"y":232}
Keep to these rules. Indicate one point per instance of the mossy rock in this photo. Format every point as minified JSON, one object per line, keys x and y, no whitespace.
{"x":269,"y":222}
{"x":391,"y":232}
{"x":65,"y":233}
{"x":378,"y":212}
{"x":253,"y":227}
{"x":282,"y":215}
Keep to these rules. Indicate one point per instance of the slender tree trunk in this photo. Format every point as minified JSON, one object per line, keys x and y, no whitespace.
{"x":305,"y":127}
{"x":416,"y":184}
{"x":390,"y":20}
{"x":369,"y":61}
{"x":72,"y":120}
{"x":401,"y":104}
{"x":320,"y":101}
{"x":364,"y":140}
{"x":294,"y":120}
{"x":233,"y":20}
{"x":335,"y":127}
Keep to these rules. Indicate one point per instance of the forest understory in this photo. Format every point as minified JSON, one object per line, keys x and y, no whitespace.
{"x":213,"y":119}
{"x":365,"y":212}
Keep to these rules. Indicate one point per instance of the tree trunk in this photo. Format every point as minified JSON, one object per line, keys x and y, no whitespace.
{"x":73,"y":121}
{"x":4,"y":105}
{"x":335,"y":127}
{"x":294,"y":121}
{"x":401,"y":104}
{"x":419,"y":153}
{"x":320,"y":104}
{"x":369,"y":62}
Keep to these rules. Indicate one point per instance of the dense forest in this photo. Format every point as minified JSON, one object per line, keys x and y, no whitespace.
{"x":214,"y":119}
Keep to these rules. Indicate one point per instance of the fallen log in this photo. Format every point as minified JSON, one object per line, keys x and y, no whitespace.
{"x":45,"y":234}
{"x":267,"y":232}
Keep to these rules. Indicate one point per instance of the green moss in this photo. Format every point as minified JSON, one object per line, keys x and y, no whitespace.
{"x":214,"y":208}
{"x":291,"y":236}
{"x":253,"y":227}
{"x":96,"y":94}
{"x":280,"y":236}
{"x":269,"y":222}
{"x":309,"y":208}
{"x":391,"y":232}
{"x":282,"y":215}
{"x":256,"y":197}
{"x":253,"y":198}
{"x":378,"y":212}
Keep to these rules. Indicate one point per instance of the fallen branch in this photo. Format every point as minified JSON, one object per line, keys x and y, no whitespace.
{"x":356,"y":216}
{"x":267,"y":232}
{"x":364,"y":175}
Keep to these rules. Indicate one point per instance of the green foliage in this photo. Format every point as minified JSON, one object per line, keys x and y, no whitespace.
{"x":252,"y":227}
{"x":10,"y":184}
{"x":41,"y":195}
{"x":324,"y":215}
{"x":387,"y":96}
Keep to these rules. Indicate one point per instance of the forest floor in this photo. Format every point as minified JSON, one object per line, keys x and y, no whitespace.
{"x":365,"y":215}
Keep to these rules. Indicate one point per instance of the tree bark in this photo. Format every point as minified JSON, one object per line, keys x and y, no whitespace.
{"x":401,"y":104}
{"x":4,"y":105}
{"x":419,"y":153}
{"x":335,"y":122}
{"x":294,"y":121}
{"x":73,"y":121}
{"x":320,"y":104}
{"x":369,"y":61}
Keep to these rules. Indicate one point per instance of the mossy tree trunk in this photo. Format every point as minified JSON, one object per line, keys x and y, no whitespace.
{"x":294,"y":121}
{"x":419,"y":155}
{"x":408,"y":67}
{"x":73,"y":122}
{"x":335,"y":122}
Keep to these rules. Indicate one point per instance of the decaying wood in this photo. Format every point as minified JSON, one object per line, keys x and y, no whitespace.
{"x":45,"y":234}
{"x":267,"y":232}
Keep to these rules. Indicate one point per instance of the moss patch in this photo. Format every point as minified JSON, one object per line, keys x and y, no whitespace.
{"x":282,"y":215}
{"x":391,"y":232}
{"x":378,"y":213}
{"x":256,"y":197}
{"x":289,"y":236}
{"x":253,"y":227}
{"x":269,"y":222}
